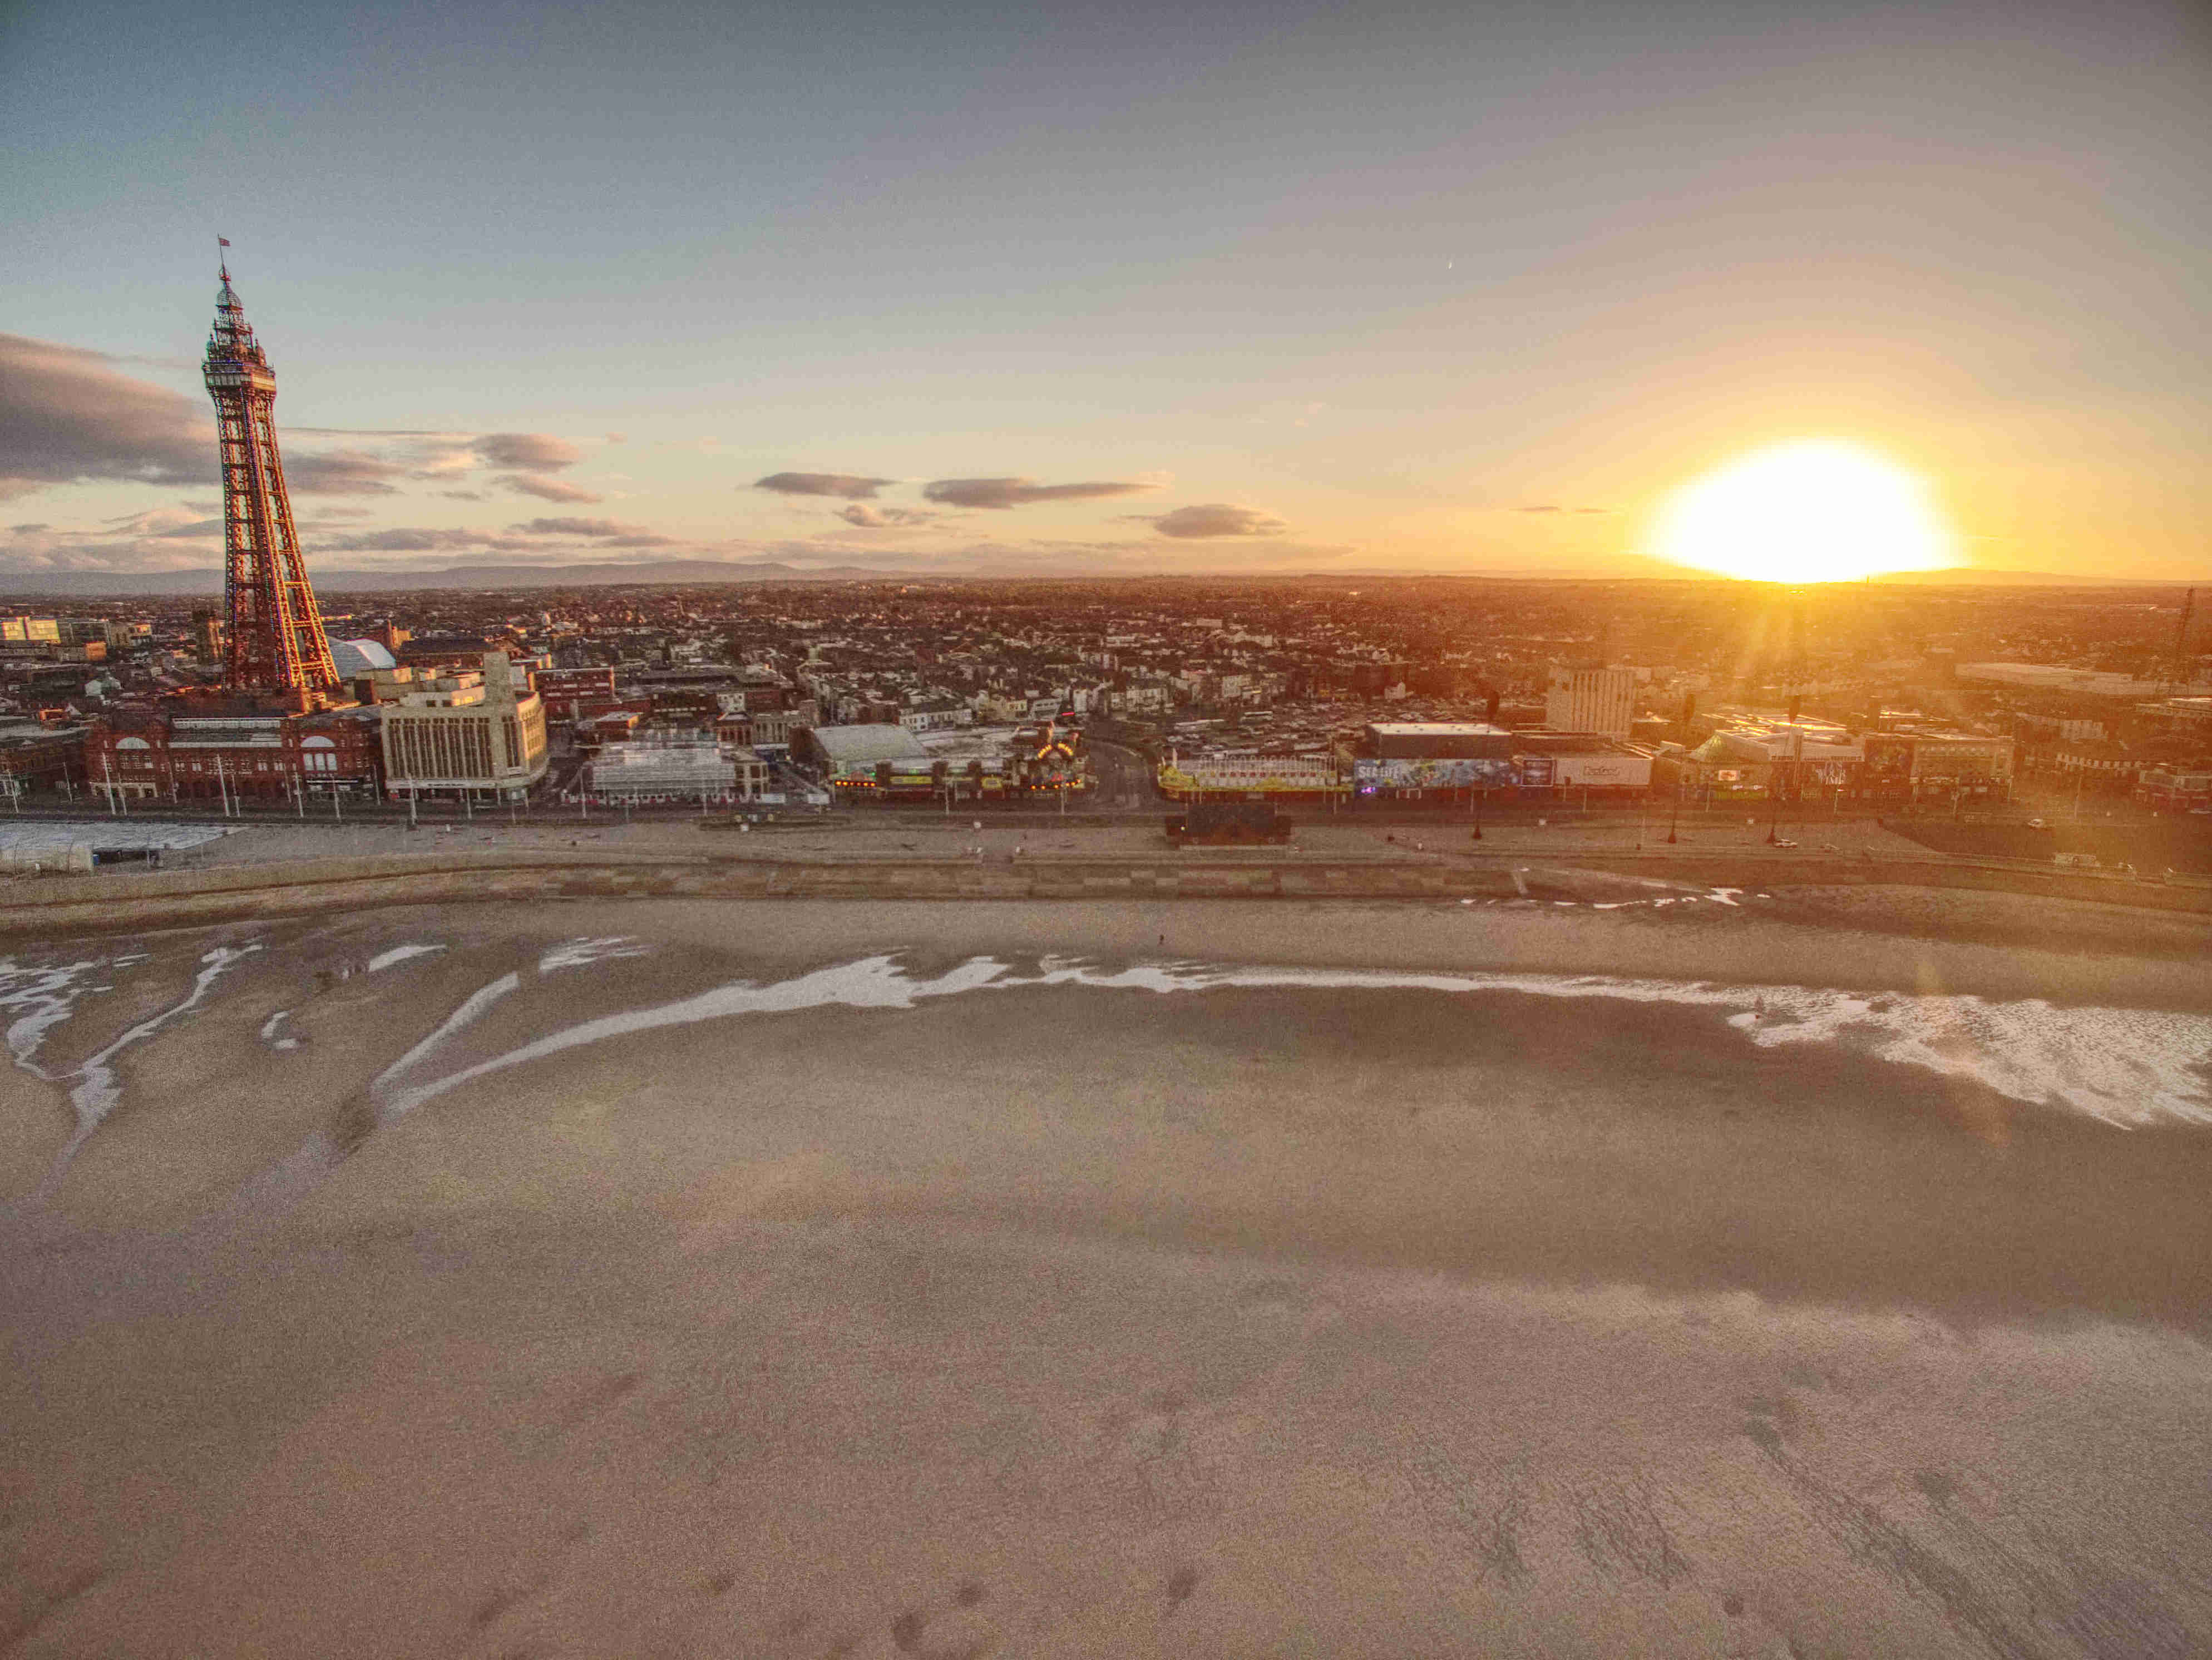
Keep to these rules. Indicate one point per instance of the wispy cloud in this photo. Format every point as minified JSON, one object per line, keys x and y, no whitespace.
{"x":169,"y":522}
{"x":1002,"y":493}
{"x":412,"y":539}
{"x":1210,"y":518}
{"x":611,"y":531}
{"x":550,"y":490}
{"x":533,"y":536}
{"x":850,"y":485}
{"x":377,"y":432}
{"x":527,"y":451}
{"x":150,"y":545}
{"x":341,"y":472}
{"x":865,"y":516}
{"x":436,"y":456}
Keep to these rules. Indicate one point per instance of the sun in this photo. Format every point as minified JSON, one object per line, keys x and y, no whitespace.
{"x":1813,"y":510}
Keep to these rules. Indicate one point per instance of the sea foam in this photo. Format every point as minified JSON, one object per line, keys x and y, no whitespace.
{"x":2127,"y":1067}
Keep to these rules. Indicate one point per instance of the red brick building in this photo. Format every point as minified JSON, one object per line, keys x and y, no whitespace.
{"x":208,"y":748}
{"x":40,"y":755}
{"x":566,"y":692}
{"x":690,"y":706}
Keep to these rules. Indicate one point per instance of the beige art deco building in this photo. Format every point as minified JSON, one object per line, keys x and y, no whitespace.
{"x":480,"y":734}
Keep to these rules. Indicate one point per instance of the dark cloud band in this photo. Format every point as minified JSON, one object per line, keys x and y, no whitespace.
{"x":65,"y":416}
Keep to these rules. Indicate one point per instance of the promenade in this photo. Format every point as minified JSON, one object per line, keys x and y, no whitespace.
{"x":260,"y":871}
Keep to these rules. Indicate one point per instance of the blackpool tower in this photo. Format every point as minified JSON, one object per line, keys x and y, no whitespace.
{"x":278,"y":648}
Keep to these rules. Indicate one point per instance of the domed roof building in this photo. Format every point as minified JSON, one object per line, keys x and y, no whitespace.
{"x":358,"y":657}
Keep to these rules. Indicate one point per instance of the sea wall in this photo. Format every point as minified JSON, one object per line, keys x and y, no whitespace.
{"x":55,"y":906}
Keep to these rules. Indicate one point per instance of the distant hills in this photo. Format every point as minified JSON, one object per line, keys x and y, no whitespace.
{"x":89,"y":584}
{"x":690,"y":572}
{"x":1969,"y":576}
{"x":659,"y":571}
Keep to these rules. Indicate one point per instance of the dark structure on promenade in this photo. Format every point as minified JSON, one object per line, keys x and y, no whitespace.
{"x":276,"y":647}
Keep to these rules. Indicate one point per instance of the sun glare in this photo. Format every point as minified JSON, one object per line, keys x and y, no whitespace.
{"x":1817,"y":510}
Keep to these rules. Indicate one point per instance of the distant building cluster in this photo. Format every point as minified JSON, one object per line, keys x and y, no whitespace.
{"x":1354,"y":692}
{"x":981,"y":693}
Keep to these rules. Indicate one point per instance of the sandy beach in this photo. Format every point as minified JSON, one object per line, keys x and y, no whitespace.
{"x":660,"y":1277}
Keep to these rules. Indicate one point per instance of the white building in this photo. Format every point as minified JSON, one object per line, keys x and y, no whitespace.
{"x":1591,"y":700}
{"x":481,"y":733}
{"x":936,"y":717}
{"x":1582,"y":760}
{"x":701,"y":770}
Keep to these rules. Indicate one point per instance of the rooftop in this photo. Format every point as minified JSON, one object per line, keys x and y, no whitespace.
{"x":848,"y":746}
{"x":661,"y":768}
{"x":357,"y":656}
{"x":1572,"y":743}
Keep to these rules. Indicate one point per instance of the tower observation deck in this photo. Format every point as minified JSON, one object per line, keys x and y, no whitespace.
{"x":276,"y":645}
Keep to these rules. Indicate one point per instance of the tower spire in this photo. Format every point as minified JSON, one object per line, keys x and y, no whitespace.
{"x":276,"y":645}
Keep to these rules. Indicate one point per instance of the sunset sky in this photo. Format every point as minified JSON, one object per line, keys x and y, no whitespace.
{"x":1104,"y":287}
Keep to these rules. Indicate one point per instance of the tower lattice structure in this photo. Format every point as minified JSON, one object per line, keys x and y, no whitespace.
{"x":276,"y":645}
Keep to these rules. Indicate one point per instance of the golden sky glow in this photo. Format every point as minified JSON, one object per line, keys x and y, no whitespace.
{"x":1238,"y":289}
{"x":1812,"y":510}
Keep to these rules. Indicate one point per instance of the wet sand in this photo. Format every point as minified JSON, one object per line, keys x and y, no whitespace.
{"x":1076,"y":1318}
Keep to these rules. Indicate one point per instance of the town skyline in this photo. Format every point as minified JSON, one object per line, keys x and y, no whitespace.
{"x":1484,"y":327}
